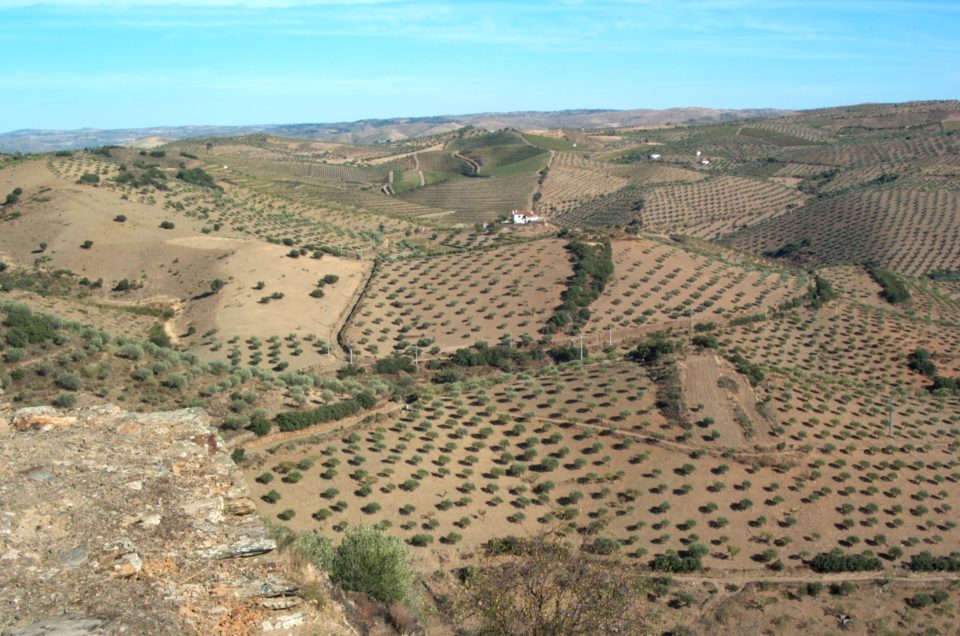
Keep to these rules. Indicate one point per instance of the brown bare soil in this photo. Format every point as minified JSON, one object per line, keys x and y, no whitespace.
{"x":447,"y":302}
{"x":657,"y":282}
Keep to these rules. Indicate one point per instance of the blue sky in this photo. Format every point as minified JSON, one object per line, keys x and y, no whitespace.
{"x":112,"y":64}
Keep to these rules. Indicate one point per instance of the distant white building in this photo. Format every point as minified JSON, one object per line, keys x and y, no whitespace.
{"x":699,"y":153}
{"x":522,"y":218}
{"x":704,"y":162}
{"x":654,"y":157}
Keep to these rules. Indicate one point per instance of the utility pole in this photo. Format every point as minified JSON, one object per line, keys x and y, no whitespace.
{"x":610,"y":337}
{"x":416,"y":357}
{"x":350,"y":349}
{"x":690,"y":325}
{"x":890,"y":417}
{"x":581,"y":346}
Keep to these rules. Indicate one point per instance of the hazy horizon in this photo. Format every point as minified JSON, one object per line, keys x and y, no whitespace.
{"x":400,"y":117}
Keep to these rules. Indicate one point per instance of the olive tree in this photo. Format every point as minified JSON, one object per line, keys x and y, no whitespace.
{"x":369,"y":561}
{"x":555,"y":589}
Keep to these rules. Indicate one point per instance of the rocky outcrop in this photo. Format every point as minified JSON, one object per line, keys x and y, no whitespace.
{"x":114,"y":522}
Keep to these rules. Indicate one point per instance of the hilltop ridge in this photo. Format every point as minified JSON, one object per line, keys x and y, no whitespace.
{"x":370,"y":130}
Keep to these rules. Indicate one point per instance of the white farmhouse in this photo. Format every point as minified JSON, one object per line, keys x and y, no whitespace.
{"x":522,"y":218}
{"x":655,"y":157}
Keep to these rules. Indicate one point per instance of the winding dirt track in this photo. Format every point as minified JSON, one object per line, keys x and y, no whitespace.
{"x":416,"y":166}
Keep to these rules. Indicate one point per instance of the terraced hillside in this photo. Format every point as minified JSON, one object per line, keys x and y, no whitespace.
{"x":753,"y":418}
{"x":910,"y":230}
{"x":476,"y":199}
{"x":716,"y":207}
{"x":442,"y":303}
{"x":572,"y":180}
{"x":659,"y":283}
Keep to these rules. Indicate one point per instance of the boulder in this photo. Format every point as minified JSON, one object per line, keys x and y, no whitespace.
{"x":40,"y":418}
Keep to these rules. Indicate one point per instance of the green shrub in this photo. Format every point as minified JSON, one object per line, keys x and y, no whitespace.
{"x":25,"y":327}
{"x":166,"y":225}
{"x":566,"y":354}
{"x":293,"y":477}
{"x":605,"y":546}
{"x":69,"y":381}
{"x":894,"y":291}
{"x":130,"y":351}
{"x":509,"y":544}
{"x":369,"y":561}
{"x":673,"y":562}
{"x":421,"y":540}
{"x":123,"y":285}
{"x":297,"y":420}
{"x":926,"y":562}
{"x":921,"y":362}
{"x":14,"y":196}
{"x":706,"y":341}
{"x":592,"y":268}
{"x":315,"y":548}
{"x":836,"y":561}
{"x":453,"y":538}
{"x":499,"y":356}
{"x":395,"y":364}
{"x":651,"y":350}
{"x":821,"y":293}
{"x":842,"y":589}
{"x":65,"y":400}
{"x":752,"y":371}
{"x":197,"y":176}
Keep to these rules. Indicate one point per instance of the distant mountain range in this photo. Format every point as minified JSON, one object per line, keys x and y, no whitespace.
{"x":375,"y":130}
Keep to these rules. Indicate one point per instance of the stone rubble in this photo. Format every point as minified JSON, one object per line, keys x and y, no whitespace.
{"x":124,"y":523}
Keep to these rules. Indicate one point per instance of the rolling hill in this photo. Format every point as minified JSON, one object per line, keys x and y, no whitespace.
{"x":725,"y":359}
